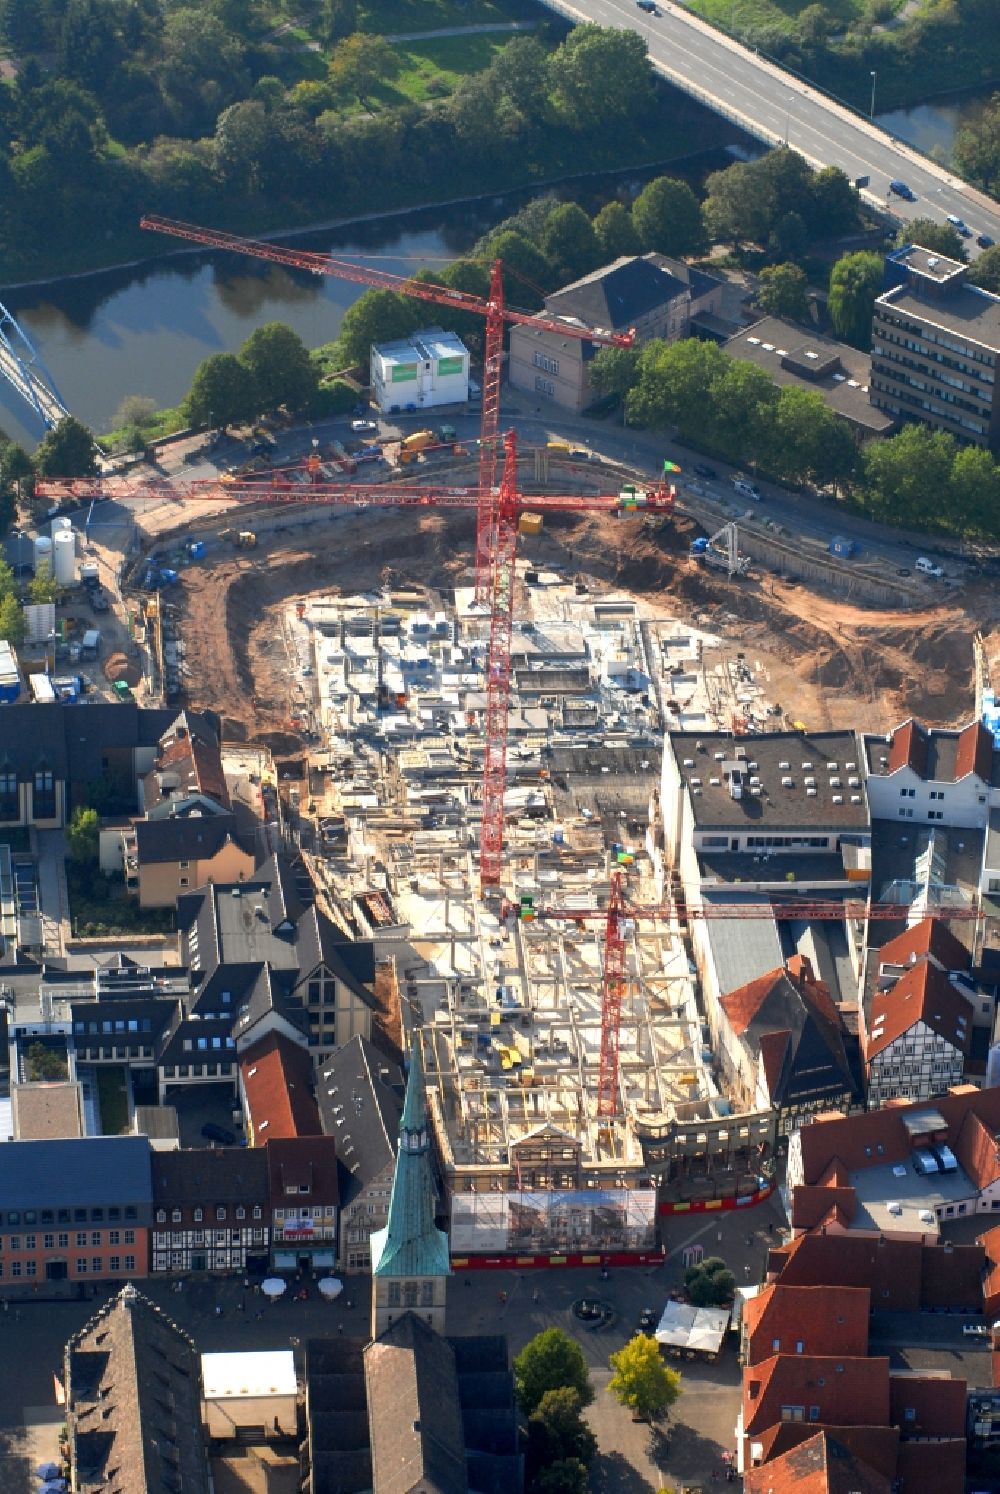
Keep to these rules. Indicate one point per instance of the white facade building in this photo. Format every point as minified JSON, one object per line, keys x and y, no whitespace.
{"x":430,"y":368}
{"x":931,"y":776}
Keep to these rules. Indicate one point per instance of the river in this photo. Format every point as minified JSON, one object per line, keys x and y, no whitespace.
{"x":932,"y":127}
{"x":144,"y":329}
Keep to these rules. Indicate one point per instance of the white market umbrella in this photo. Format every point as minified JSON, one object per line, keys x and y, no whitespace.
{"x":273,"y":1286}
{"x":330,"y":1287}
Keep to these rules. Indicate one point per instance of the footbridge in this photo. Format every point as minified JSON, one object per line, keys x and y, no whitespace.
{"x":24,"y":370}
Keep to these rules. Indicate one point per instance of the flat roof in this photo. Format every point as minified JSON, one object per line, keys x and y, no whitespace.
{"x":248,"y":1375}
{"x":804,"y":778}
{"x":46,"y":1112}
{"x":805,"y":359}
{"x":433,"y":342}
{"x":967,"y":311}
{"x":909,"y":1193}
{"x":937,"y":267}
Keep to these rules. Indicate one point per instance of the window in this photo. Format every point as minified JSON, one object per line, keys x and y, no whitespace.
{"x":793,"y":1413}
{"x":9,"y":807}
{"x":95,"y":1237}
{"x":800,"y":1347}
{"x":44,"y":801}
{"x":129,"y":1233}
{"x":175,"y":1216}
{"x":29,"y":1242}
{"x":130,"y":1263}
{"x":256,"y":1211}
{"x":114,"y":1264}
{"x":63,"y":1242}
{"x":161,"y":1216}
{"x":48,"y":1242}
{"x":814,"y":1413}
{"x":545,"y":386}
{"x":241,"y":1212}
{"x":909,"y":1413}
{"x":81,"y":1266}
{"x":776,"y":1346}
{"x":114,"y":1236}
{"x":199,"y":1215}
{"x":81,"y":1238}
{"x":220,"y":1212}
{"x":15,"y":1242}
{"x":15,"y":1268}
{"x":550,"y":365}
{"x":96,"y":1264}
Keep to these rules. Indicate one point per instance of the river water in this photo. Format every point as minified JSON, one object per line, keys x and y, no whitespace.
{"x":144,"y":329}
{"x":932,"y":127}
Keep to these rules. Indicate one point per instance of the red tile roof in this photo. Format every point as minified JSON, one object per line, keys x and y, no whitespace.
{"x":990,"y":1242}
{"x":854,"y":1140}
{"x":814,"y":1206}
{"x":975,"y":752}
{"x":848,"y":1391}
{"x":930,"y":936}
{"x":922,"y":1466}
{"x":908,"y":748}
{"x":298,"y":1163}
{"x":822,"y":1464}
{"x":977,"y":1148}
{"x":921,"y":994}
{"x":825,"y":1320}
{"x":903,"y":1273}
{"x":937,"y":1401}
{"x":876,"y":1447}
{"x":277,"y":1079}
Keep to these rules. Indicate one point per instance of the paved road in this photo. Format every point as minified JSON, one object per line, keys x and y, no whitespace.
{"x":774,"y":106}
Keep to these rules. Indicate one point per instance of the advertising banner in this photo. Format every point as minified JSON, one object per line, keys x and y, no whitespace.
{"x":591,"y":1219}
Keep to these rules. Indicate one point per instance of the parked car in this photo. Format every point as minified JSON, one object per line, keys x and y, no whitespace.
{"x":364,"y":427}
{"x":746,"y":489}
{"x":649,"y":6}
{"x":648,"y":1320}
{"x":984,"y":241}
{"x":212,"y":1132}
{"x":927,"y":567}
{"x":960,"y":225}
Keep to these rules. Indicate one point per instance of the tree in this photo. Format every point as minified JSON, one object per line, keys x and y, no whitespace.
{"x":908,"y":478}
{"x":43,"y":587}
{"x":788,"y":238}
{"x":939,"y":238}
{"x":67,"y":451}
{"x":783,"y":292}
{"x":44,"y":1063}
{"x":567,"y":1476}
{"x":8,"y":582}
{"x":809,"y":440}
{"x":376,"y":316}
{"x":569,"y":243}
{"x":15,"y":463}
{"x":222,"y":393}
{"x":519,"y":72}
{"x":985,"y":270}
{"x":11,"y":620}
{"x":527,"y":272}
{"x":600,"y":74}
{"x":279,"y":364}
{"x":975,"y":491}
{"x":743,"y":402}
{"x":675,"y":384}
{"x":855,"y":281}
{"x":135,"y":410}
{"x":833,"y":207}
{"x":734,"y":209}
{"x":976,"y":152}
{"x":550,"y":1361}
{"x":338,"y":19}
{"x":710,"y":1283}
{"x":614,"y":370}
{"x":558,"y":1430}
{"x":615,"y":232}
{"x":83,"y":835}
{"x":245,"y":137}
{"x":667,"y":218}
{"x":641,"y":1380}
{"x":360,"y":63}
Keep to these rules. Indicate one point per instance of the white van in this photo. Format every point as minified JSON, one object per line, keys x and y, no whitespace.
{"x":927,"y":567}
{"x":746,"y":489}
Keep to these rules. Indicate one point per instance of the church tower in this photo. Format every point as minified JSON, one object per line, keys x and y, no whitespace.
{"x":410,"y":1266}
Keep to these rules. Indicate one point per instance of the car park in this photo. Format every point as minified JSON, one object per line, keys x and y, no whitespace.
{"x":900,"y":189}
{"x":212,"y":1132}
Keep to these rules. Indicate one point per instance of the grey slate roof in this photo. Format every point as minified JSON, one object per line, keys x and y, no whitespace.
{"x":617,"y":295}
{"x":414,"y":1416}
{"x":73,"y":740}
{"x":91,"y":1170}
{"x":365,"y":1087}
{"x":133,"y":1389}
{"x":183,"y":837}
{"x":209,"y":1175}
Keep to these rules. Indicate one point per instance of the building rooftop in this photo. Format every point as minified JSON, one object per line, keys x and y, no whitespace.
{"x":967,"y":312}
{"x":278,"y":1087}
{"x":823,"y":1319}
{"x":893,"y":1197}
{"x":620,"y":294}
{"x":47,"y":1111}
{"x":934,"y":754}
{"x":801,"y":358}
{"x":785,"y":780}
{"x":359,"y":1092}
{"x":93,"y":1170}
{"x":921,"y":994}
{"x":210,"y":1175}
{"x":414,"y":1416}
{"x":823,"y":1464}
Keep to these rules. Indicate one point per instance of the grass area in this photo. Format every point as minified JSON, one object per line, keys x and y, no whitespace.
{"x":112,"y":1100}
{"x":98,"y":907}
{"x":754,"y":15}
{"x":430,"y":68}
{"x":162,"y":423}
{"x":387,"y":17}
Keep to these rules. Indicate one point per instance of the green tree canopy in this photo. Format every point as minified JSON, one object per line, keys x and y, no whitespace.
{"x":558,"y":1430}
{"x":136,"y":410}
{"x":67,"y":451}
{"x":641,"y":1380}
{"x":11,"y":620}
{"x":974,"y":491}
{"x":834,"y":206}
{"x":615,"y":232}
{"x":550,"y":1361}
{"x":976,"y":152}
{"x":222,"y":393}
{"x":569,"y":243}
{"x":907,"y":480}
{"x":377,"y":316}
{"x":44,"y":1062}
{"x":675,"y":383}
{"x":42,"y":587}
{"x":614,"y":370}
{"x":279,"y":365}
{"x":710,"y":1282}
{"x":855,"y":281}
{"x":528,"y":273}
{"x":939,"y":238}
{"x":360,"y":63}
{"x":734,"y":208}
{"x":566,"y":1476}
{"x":783,"y":292}
{"x":985,"y":271}
{"x":667,"y":218}
{"x":600,"y":73}
{"x":83,"y":835}
{"x":809,"y":440}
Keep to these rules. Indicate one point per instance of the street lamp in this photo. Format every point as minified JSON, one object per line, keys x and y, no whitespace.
{"x":872,"y":110}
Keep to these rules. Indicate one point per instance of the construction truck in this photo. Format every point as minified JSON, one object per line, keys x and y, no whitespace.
{"x":721,"y":551}
{"x":246,"y":539}
{"x":418,"y":441}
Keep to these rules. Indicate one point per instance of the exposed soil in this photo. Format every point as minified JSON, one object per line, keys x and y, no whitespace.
{"x":828,"y":662}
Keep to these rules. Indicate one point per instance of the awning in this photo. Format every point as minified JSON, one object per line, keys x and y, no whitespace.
{"x":283,"y":1261}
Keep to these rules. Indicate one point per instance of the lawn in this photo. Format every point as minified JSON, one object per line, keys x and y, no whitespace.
{"x":447,"y":58}
{"x":98,"y":907}
{"x":112,"y":1100}
{"x":387,"y":17}
{"x":162,"y":423}
{"x":754,"y":15}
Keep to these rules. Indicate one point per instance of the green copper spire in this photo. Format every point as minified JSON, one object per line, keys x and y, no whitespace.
{"x":411,"y":1244}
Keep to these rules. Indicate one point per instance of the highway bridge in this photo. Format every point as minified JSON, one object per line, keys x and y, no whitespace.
{"x":777,"y":108}
{"x":23,"y":369}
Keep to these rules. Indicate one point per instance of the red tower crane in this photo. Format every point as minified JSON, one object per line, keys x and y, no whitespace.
{"x":282,"y":487}
{"x":498,"y":316}
{"x":619,"y":911}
